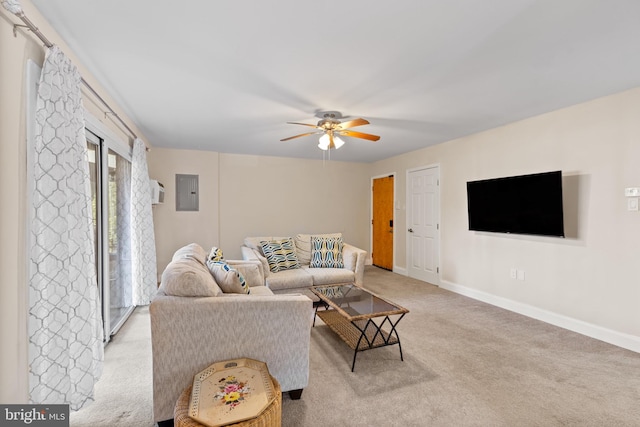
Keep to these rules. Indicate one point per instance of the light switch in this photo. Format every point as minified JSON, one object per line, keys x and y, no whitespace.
{"x":632,"y":192}
{"x":632,"y":204}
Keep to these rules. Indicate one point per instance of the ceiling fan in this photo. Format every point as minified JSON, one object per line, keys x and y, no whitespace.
{"x":331,"y":128}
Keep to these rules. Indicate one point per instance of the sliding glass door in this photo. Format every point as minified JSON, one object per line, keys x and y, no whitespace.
{"x":110,"y":171}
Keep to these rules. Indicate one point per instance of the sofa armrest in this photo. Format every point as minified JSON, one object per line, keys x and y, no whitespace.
{"x":354,"y":259}
{"x":189,"y":334}
{"x":249,"y":254}
{"x":251,"y":270}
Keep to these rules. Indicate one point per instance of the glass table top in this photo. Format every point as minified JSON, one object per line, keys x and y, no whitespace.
{"x":355,"y":302}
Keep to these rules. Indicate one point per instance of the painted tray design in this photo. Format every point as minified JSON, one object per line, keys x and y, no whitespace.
{"x":231,"y":391}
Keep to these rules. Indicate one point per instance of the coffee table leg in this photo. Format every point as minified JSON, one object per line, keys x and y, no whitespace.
{"x":394,"y":331}
{"x":378,"y":329}
{"x":315,"y":313}
{"x":353,"y":364}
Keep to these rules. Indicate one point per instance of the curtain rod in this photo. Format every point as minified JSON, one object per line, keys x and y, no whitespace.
{"x":28,"y":24}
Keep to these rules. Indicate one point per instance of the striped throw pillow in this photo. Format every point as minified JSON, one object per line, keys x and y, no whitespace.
{"x":230,"y":280}
{"x":326,"y":252}
{"x":280,"y":254}
{"x":215,"y":254}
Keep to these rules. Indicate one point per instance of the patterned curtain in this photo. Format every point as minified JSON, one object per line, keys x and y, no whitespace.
{"x":143,"y":240}
{"x":65,"y":324}
{"x":12,"y":6}
{"x":120,"y":267}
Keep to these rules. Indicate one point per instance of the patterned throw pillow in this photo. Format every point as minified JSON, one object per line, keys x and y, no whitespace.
{"x":230,"y":280}
{"x":326,"y":252}
{"x":215,"y":254}
{"x":280,"y":255}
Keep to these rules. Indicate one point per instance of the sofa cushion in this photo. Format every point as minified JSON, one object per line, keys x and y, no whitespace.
{"x":303,"y":246}
{"x":326,"y":252}
{"x":215,"y":254}
{"x":228,"y":278}
{"x":187,"y":277}
{"x":289,"y":279}
{"x":192,"y":250}
{"x":280,"y":254}
{"x":330,"y":276}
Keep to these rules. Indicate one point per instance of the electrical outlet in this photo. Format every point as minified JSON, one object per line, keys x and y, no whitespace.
{"x":513,"y":273}
{"x":520,"y":274}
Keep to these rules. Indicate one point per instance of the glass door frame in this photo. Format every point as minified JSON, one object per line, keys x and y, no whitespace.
{"x":97,"y":133}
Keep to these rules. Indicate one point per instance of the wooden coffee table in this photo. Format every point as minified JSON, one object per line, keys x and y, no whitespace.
{"x":359,"y":317}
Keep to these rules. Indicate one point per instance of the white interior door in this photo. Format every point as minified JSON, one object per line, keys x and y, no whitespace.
{"x":423,"y":228}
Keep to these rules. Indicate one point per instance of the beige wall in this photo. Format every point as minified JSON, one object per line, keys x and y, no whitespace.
{"x":278,"y":196}
{"x":591,"y":276}
{"x":243,"y":195}
{"x":15,"y":52}
{"x":174,"y":229}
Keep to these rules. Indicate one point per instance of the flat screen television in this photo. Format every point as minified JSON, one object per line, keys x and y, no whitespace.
{"x":525,"y":204}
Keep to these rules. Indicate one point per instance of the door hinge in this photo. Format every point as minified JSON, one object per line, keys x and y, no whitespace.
{"x":437,"y":270}
{"x":437,"y":226}
{"x":437,"y":182}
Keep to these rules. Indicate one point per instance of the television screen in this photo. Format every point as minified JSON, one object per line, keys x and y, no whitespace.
{"x":525,"y":204}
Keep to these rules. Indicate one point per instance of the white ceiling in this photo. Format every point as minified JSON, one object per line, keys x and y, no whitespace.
{"x":227,"y":75}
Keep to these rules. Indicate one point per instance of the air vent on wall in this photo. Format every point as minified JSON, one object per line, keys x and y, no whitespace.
{"x":157,"y":192}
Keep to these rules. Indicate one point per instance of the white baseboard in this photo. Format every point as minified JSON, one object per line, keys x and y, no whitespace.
{"x":400,"y":270}
{"x":630,"y":342}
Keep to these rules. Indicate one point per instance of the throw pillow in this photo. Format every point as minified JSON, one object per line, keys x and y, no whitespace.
{"x":303,"y":246}
{"x":228,"y":278}
{"x":280,"y":255}
{"x":215,"y":254}
{"x":326,"y":252}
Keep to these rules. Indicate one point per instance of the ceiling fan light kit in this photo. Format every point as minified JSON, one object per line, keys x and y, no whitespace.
{"x":331,"y":128}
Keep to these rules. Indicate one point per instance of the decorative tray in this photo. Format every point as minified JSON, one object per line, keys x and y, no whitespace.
{"x":230,"y":392}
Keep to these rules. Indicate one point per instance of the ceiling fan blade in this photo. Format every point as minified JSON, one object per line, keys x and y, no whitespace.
{"x":359,"y":135}
{"x":298,"y":136}
{"x":352,"y":123}
{"x":303,"y":124}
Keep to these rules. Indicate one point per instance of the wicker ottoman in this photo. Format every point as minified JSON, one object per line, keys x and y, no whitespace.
{"x":270,"y":417}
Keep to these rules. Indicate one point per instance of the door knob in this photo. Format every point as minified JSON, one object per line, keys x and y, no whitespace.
{"x":410,"y":230}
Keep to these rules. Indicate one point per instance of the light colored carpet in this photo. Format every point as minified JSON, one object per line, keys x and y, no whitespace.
{"x":466,"y":364}
{"x":124,"y":393}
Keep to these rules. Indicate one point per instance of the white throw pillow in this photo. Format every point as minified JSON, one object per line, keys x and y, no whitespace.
{"x":228,"y":278}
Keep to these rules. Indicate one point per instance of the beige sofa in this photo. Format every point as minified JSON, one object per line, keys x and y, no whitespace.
{"x":301,"y":279}
{"x":194,"y":324}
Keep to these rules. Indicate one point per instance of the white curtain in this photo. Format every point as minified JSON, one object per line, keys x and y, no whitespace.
{"x":65,"y":324}
{"x":12,"y":6}
{"x":120,"y":261}
{"x":143,"y":241}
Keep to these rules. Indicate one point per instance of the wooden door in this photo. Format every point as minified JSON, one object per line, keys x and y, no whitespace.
{"x":382,"y":223}
{"x":423,"y":217}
